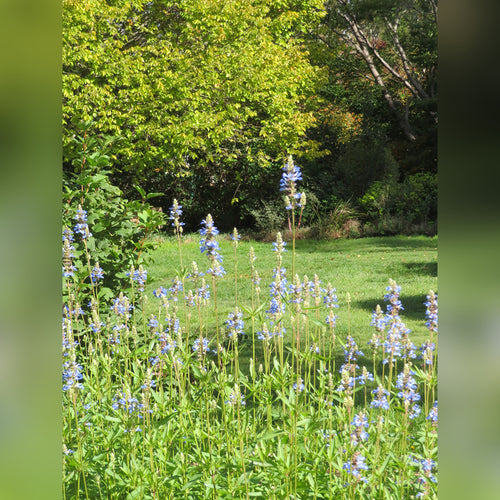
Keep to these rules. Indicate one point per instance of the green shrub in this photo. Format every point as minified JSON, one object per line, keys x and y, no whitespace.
{"x":269,"y":216}
{"x":339,"y":222}
{"x":408,"y":206}
{"x":416,"y":199}
{"x":118,"y":228}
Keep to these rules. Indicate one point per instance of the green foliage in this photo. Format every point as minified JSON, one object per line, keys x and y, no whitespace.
{"x":396,"y":205}
{"x":190,"y":85}
{"x":119,"y":227}
{"x":339,"y":221}
{"x":269,"y":216}
{"x":156,"y":418}
{"x":417,"y":198}
{"x":363,"y":162}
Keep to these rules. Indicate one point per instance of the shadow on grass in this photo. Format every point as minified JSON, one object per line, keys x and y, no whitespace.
{"x":413,"y":305}
{"x":429,"y":268}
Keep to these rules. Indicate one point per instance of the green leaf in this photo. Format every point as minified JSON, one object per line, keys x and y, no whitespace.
{"x":135,"y":494}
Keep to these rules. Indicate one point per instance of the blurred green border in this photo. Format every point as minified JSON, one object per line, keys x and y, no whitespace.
{"x":30,"y":297}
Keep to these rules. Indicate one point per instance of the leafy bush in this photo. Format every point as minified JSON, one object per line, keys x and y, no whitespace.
{"x":363,"y":162}
{"x":416,"y":199}
{"x":270,"y":216}
{"x":116,"y":228}
{"x":408,"y":206}
{"x":340,"y":221}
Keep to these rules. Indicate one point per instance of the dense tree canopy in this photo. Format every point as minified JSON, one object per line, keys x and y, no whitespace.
{"x":205,"y":98}
{"x":190,"y":82}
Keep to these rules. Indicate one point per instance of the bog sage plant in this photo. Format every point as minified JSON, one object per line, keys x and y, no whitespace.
{"x":159,"y":406}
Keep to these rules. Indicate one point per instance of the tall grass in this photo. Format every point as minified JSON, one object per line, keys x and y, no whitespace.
{"x":158,"y":405}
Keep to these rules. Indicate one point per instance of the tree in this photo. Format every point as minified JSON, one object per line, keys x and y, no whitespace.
{"x":201,"y":90}
{"x":396,"y":42}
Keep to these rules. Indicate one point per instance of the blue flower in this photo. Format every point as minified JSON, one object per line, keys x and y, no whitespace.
{"x":360,"y":423}
{"x":97,"y":273}
{"x":201,"y":346}
{"x":432,"y":312}
{"x":175,"y":214}
{"x":160,"y":292}
{"x":121,"y":306}
{"x":234,"y":324}
{"x":72,"y":373}
{"x":364,"y":377}
{"x":210,"y":246}
{"x":290,"y":176}
{"x":126,"y":403}
{"x":355,"y":465}
{"x":433,"y":414}
{"x":380,"y":399}
{"x":81,"y":226}
{"x":299,"y":386}
{"x":352,"y":352}
{"x":175,"y":288}
{"x":166,"y":342}
{"x":140,"y":275}
{"x":153,"y":322}
{"x":427,"y":465}
{"x":427,"y":352}
{"x":68,"y":267}
{"x":393,"y":297}
{"x":235,"y":237}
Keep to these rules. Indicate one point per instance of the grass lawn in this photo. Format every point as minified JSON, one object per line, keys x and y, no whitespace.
{"x":359,"y":267}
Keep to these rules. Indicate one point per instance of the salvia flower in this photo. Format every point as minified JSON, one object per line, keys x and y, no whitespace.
{"x":209,"y":245}
{"x":202,"y":293}
{"x":314,"y":348}
{"x":356,"y":465}
{"x":153,"y":322}
{"x":392,"y":296}
{"x":160,"y":292}
{"x":330,"y":301}
{"x":140,"y":276}
{"x":351,"y":353}
{"x":427,"y":350}
{"x":379,"y":320}
{"x":175,"y":289}
{"x":432,"y":312}
{"x":265,"y":334}
{"x":408,"y":390}
{"x":380,"y":398}
{"x":346,"y":380}
{"x":235,"y":238}
{"x":68,"y":256}
{"x":166,"y":343}
{"x":201,"y":346}
{"x":175,"y":214}
{"x":433,"y":414}
{"x":234,"y":324}
{"x":299,"y":385}
{"x":279,"y":245}
{"x":360,"y":424}
{"x":81,"y":227}
{"x":290,"y":176}
{"x":364,"y":377}
{"x":97,"y":273}
{"x":127,"y":403}
{"x":121,"y":306}
{"x":72,"y":374}
{"x":426,"y":466}
{"x":236,"y":397}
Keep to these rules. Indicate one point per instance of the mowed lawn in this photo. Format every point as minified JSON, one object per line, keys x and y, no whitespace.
{"x":359,"y":267}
